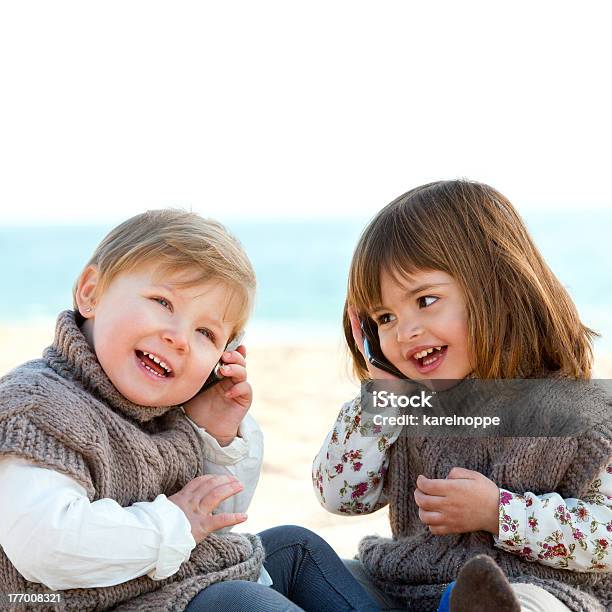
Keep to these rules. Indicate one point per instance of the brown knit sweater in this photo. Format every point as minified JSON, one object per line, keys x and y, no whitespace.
{"x":62,"y":412}
{"x":416,"y":566}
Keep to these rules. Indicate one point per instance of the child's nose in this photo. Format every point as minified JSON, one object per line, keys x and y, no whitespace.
{"x":408,"y":330}
{"x":177,"y":337}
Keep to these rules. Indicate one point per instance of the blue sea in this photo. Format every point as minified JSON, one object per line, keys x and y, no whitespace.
{"x":301,"y":269}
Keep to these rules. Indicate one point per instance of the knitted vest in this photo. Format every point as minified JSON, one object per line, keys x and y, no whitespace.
{"x":416,"y":566}
{"x":62,"y":412}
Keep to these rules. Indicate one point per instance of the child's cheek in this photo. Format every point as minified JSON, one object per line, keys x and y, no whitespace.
{"x":389,"y":346}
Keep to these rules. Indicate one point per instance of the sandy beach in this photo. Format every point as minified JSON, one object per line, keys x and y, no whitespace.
{"x":298,"y":391}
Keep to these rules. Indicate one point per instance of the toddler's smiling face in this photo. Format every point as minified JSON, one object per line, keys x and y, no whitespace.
{"x":156,"y":341}
{"x":422,"y":326}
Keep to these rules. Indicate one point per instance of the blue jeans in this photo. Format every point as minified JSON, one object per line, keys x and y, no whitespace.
{"x":445,"y":601}
{"x":306,"y":572}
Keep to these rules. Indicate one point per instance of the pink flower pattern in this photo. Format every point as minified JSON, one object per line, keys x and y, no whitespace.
{"x":565,"y":533}
{"x":348,"y":477}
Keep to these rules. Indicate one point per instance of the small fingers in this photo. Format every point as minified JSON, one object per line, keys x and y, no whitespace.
{"x":213,"y":497}
{"x":226,"y":519}
{"x":235,"y":357}
{"x":434,"y":486}
{"x":428,"y":502}
{"x":433,"y":519}
{"x":234,"y":371}
{"x":201,"y":485}
{"x":441,"y":530}
{"x":239,"y":390}
{"x":204,"y":480}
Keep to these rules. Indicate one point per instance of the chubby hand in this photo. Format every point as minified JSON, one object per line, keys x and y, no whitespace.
{"x":200,"y":496}
{"x":464,"y":501}
{"x":221,"y":408}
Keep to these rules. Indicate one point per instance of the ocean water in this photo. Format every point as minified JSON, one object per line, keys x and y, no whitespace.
{"x":301,"y":269}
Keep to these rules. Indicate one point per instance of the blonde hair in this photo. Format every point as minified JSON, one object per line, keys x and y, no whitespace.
{"x":521,"y":320}
{"x":177,"y":240}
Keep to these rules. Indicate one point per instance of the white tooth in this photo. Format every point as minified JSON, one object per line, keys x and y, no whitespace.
{"x":425,"y":352}
{"x":438,"y":348}
{"x":152,"y":370}
{"x":155,"y":359}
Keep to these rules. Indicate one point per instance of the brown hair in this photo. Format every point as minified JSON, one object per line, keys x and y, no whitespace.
{"x":520,"y":318}
{"x":178,"y":240}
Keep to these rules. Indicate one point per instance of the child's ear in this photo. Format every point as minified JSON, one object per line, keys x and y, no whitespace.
{"x":86,"y":290}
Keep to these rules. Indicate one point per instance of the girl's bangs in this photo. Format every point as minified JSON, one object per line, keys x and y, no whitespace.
{"x":396,"y":245}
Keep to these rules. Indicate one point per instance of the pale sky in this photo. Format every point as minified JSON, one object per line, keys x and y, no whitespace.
{"x":282,"y":109}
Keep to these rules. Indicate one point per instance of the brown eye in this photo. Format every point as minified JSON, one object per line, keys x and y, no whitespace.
{"x":423,"y":301}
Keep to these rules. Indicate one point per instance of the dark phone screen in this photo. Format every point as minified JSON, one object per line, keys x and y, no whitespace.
{"x":371,"y":346}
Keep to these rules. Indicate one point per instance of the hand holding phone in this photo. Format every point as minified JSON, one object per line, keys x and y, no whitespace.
{"x":220,"y":408}
{"x":216,"y":374}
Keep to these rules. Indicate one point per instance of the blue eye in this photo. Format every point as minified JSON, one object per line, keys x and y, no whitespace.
{"x":207,"y":333}
{"x":160,"y":300}
{"x":166,"y":304}
{"x":424,"y":299}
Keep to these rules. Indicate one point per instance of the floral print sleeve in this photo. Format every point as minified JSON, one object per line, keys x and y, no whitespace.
{"x":348,"y":472}
{"x":570,"y":534}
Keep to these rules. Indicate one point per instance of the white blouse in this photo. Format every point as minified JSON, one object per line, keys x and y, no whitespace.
{"x":54,"y":535}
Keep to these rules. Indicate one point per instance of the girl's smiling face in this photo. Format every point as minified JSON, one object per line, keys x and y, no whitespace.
{"x":422,"y":326}
{"x":140,"y":313}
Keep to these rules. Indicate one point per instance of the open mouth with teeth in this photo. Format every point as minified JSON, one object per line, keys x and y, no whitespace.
{"x":152,"y":363}
{"x":430,"y":355}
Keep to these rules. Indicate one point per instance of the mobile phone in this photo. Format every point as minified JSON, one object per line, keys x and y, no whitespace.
{"x":372,"y":350}
{"x":216,"y":376}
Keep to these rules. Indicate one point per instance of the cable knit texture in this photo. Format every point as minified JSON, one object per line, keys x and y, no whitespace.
{"x":416,"y":566}
{"x":62,"y":412}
